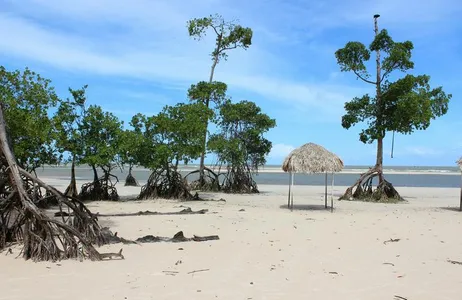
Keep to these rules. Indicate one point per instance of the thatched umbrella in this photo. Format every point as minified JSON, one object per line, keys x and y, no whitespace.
{"x":311,"y":158}
{"x":459,"y":162}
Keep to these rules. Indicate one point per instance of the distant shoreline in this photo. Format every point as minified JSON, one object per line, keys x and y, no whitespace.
{"x":411,"y":170}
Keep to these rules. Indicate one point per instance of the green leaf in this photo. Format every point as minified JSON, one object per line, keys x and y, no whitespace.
{"x":240,"y":142}
{"x":228,"y":34}
{"x":352,"y":58}
{"x":402,"y":106}
{"x":28,"y":99}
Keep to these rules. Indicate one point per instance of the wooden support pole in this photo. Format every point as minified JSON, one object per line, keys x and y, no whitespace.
{"x":325,"y":192}
{"x":292,"y":197}
{"x":290,"y":187}
{"x":460,"y":208}
{"x":332,"y":195}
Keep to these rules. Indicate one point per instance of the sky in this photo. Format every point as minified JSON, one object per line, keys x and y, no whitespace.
{"x":137,"y":56}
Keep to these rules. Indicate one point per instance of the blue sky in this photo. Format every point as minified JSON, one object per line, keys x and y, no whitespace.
{"x":136,"y":56}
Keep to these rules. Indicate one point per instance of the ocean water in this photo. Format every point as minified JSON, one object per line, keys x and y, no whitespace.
{"x":400,"y":176}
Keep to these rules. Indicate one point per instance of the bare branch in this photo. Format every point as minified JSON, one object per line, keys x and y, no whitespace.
{"x":229,"y":48}
{"x":364,"y":79}
{"x":215,"y":29}
{"x":388,"y":72}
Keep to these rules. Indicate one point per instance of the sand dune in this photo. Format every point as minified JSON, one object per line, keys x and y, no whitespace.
{"x":265,"y":251}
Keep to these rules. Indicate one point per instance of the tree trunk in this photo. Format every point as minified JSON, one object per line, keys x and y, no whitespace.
{"x":72,"y":188}
{"x":379,"y":158}
{"x":362,"y":189}
{"x":460,"y":208}
{"x":207,"y":103}
{"x":176,"y":164}
{"x":130,"y":180}
{"x":30,"y":226}
{"x":379,"y":161}
{"x":95,"y":174}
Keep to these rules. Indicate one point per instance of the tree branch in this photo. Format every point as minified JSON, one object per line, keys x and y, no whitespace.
{"x":363,"y":79}
{"x":214,"y":29}
{"x":229,"y":48}
{"x":388,"y":72}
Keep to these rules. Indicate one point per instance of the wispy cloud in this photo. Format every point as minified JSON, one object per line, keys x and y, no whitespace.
{"x":422,"y":151}
{"x":178,"y":59}
{"x":280,"y":151}
{"x":291,"y":64}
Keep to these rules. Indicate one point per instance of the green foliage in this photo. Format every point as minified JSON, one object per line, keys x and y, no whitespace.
{"x":26,"y":98}
{"x":403,"y":106}
{"x":205,"y":92}
{"x":101,"y":137}
{"x":172,"y":136}
{"x":352,"y":58}
{"x":228,"y":34}
{"x":411,"y":104}
{"x":67,"y":120}
{"x":240,"y":142}
{"x":129,"y":148}
{"x":354,"y":55}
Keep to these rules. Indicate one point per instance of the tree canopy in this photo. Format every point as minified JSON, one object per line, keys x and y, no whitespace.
{"x":229,"y":35}
{"x":67,"y":122}
{"x":170,"y":137}
{"x":101,"y":140}
{"x":402,"y":106}
{"x":27,"y":99}
{"x":240,"y":144}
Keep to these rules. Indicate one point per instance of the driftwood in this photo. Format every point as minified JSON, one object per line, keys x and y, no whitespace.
{"x":197,"y":271}
{"x":391,"y":241}
{"x":112,"y":238}
{"x":455,"y":262}
{"x":186,"y":211}
{"x":111,"y":255}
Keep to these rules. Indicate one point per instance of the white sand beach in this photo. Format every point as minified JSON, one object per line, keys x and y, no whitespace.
{"x":265,"y":251}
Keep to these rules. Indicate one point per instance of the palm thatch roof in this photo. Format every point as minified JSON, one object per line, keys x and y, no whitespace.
{"x":312,"y":158}
{"x":459,"y":162}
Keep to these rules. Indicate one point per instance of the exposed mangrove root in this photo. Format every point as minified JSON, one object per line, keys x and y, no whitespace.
{"x":210,"y":182}
{"x":42,"y":237}
{"x":36,"y":193}
{"x":177,"y":238}
{"x":71,"y":190}
{"x":363,"y":190}
{"x":131,"y":181}
{"x":166,"y":183}
{"x":21,"y":221}
{"x":101,"y":189}
{"x":239,"y":180}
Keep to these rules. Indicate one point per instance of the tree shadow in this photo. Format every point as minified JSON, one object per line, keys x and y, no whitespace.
{"x":451,"y":208}
{"x":319,"y":207}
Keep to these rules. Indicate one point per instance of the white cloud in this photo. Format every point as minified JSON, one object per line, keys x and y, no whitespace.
{"x":280,"y":151}
{"x":254,"y":70}
{"x":148,"y":40}
{"x":422,"y":151}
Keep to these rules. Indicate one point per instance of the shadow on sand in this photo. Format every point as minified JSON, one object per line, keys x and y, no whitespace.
{"x":307,"y":207}
{"x":456,"y":209}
